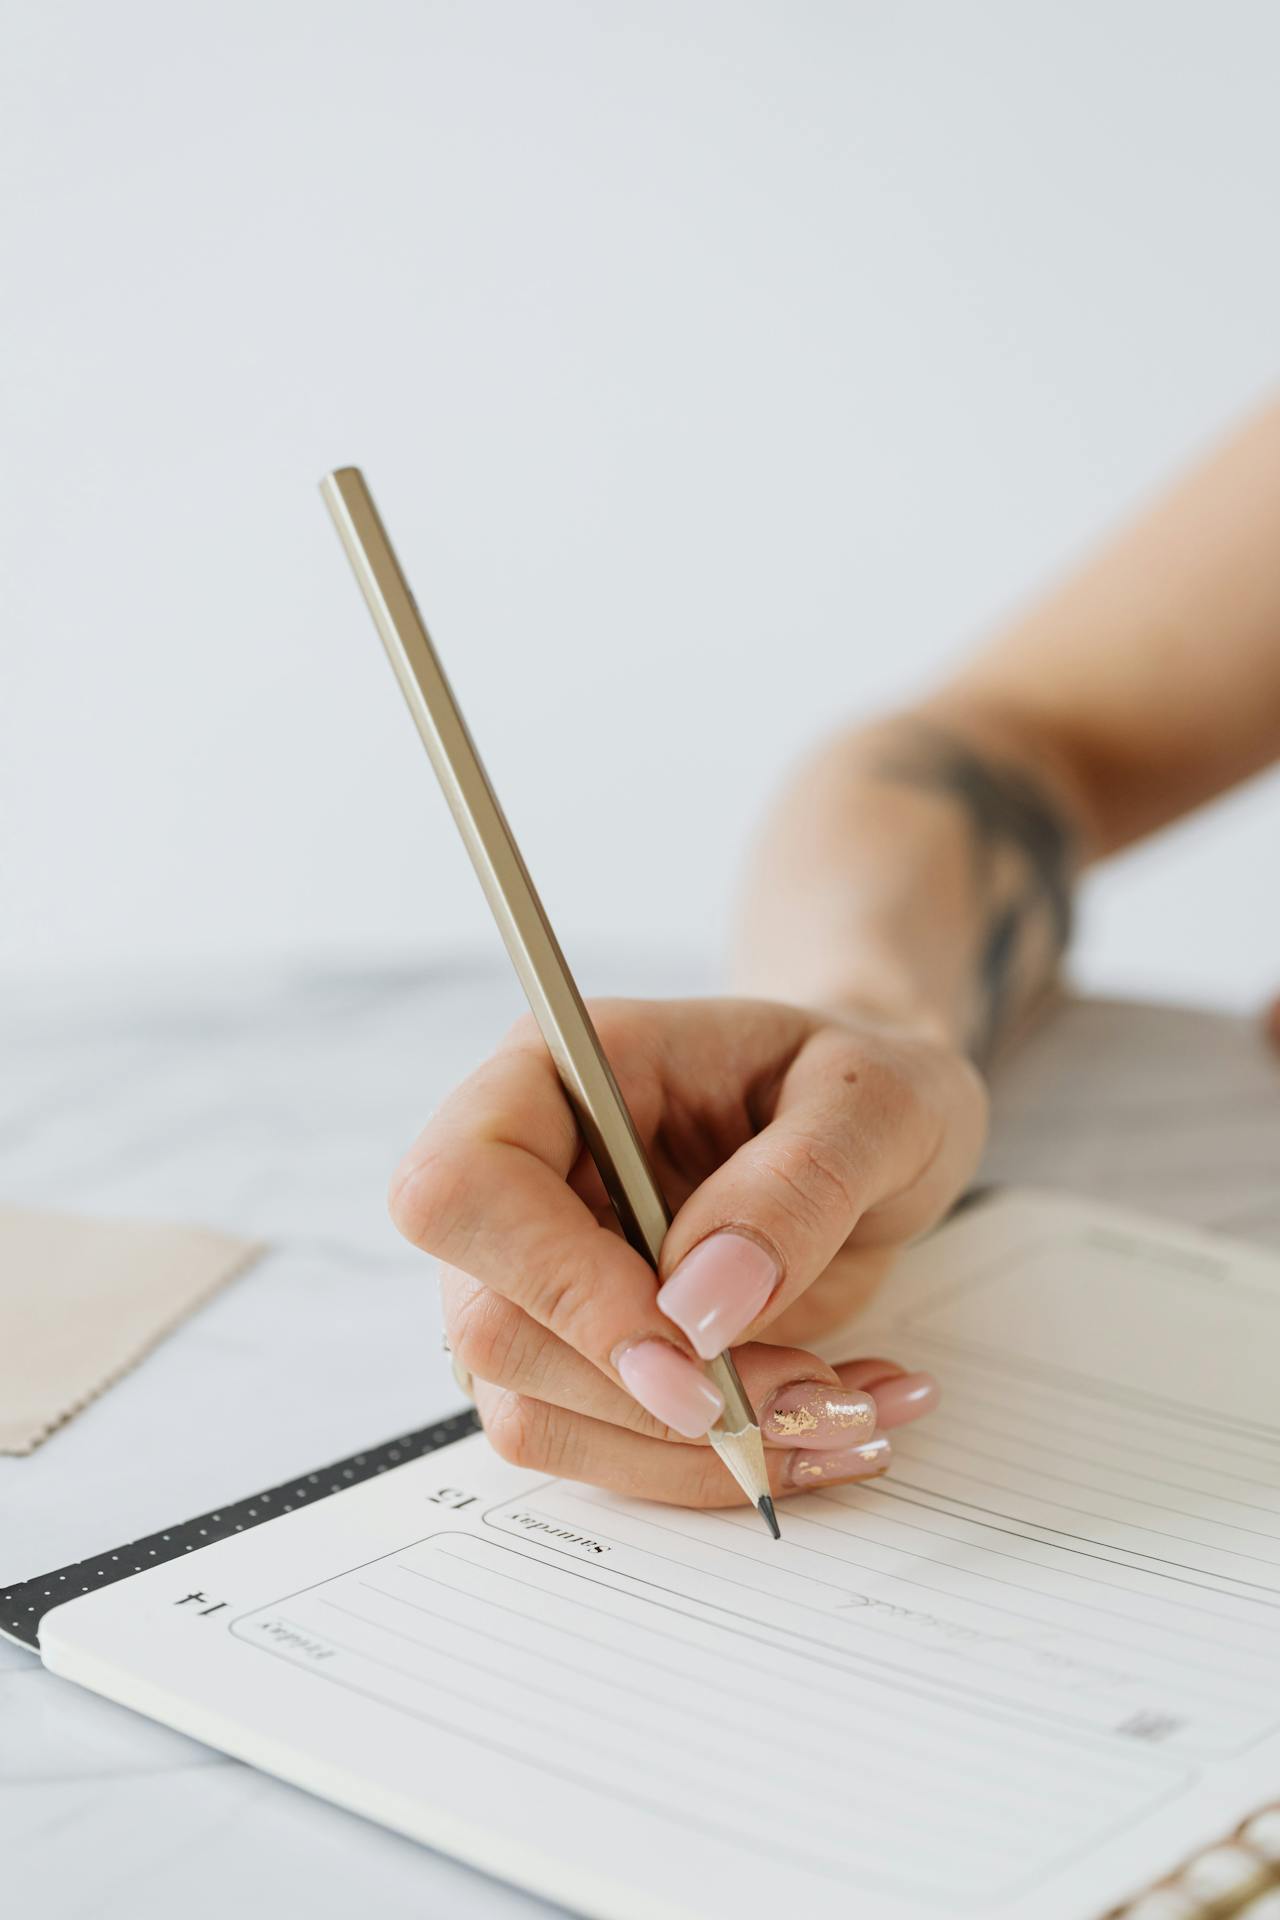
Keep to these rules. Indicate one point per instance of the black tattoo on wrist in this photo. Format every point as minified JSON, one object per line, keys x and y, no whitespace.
{"x":1024,"y":858}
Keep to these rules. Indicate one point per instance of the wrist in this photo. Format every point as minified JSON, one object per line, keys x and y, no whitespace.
{"x":897,"y":1018}
{"x":879,"y":993}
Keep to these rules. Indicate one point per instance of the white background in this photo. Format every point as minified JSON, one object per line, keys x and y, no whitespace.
{"x":722,"y":370}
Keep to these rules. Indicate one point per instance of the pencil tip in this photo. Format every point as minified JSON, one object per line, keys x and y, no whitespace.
{"x":765,"y":1505}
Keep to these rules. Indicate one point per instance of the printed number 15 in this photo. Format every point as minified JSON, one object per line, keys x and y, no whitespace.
{"x":451,"y":1497}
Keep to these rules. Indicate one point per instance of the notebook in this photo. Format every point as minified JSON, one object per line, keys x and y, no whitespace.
{"x":1029,"y":1672}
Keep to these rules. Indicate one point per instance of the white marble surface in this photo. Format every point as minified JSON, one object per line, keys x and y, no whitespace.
{"x":276,"y":1108}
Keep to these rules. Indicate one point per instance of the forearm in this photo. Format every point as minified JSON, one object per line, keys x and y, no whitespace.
{"x":920,"y":870}
{"x":924,"y":867}
{"x":1154,"y":669}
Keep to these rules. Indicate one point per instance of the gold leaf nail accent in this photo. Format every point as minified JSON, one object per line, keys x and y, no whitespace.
{"x":823,"y":1409}
{"x":792,"y":1425}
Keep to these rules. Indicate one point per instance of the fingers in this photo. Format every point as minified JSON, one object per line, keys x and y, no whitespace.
{"x":544,"y":1439}
{"x":484,"y":1189}
{"x":800,"y":1401}
{"x":859,"y":1127}
{"x":499,"y":1343}
{"x":796,"y":1395}
{"x":899,"y":1396}
{"x":864,"y":1144}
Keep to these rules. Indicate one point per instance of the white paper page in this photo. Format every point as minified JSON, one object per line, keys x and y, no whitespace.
{"x":1019,"y":1676}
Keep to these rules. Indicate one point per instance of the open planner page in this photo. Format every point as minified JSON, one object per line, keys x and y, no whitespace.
{"x":1021,"y":1675}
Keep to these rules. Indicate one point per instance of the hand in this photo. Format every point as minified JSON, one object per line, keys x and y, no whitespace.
{"x":797,"y":1151}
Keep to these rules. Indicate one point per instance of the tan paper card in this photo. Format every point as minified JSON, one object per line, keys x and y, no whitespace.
{"x":82,"y":1300}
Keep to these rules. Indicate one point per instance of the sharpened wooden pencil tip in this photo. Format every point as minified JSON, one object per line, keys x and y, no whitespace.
{"x":765,"y":1505}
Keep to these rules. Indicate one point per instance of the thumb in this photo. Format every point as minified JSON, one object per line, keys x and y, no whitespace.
{"x":844,"y":1138}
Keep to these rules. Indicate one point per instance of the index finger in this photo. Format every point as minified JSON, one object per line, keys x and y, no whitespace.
{"x":484,"y":1189}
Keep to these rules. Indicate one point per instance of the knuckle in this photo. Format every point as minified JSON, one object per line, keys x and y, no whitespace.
{"x":885,"y":1111}
{"x":571,"y":1302}
{"x":972,"y":1091}
{"x":815,"y":1179}
{"x":615,"y":1022}
{"x":428,"y":1195}
{"x":563,"y":1304}
{"x":510,"y":1422}
{"x":877,"y":1087}
{"x":563,"y":1289}
{"x":483,"y":1332}
{"x":908,"y":1124}
{"x":522,"y":1033}
{"x":630,"y":1043}
{"x":521,"y":1431}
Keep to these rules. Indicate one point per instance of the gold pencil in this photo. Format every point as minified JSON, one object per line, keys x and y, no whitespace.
{"x":607,"y":1126}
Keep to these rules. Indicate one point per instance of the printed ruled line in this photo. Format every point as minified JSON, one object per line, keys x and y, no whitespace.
{"x":743,"y":1524}
{"x":948,"y":1423}
{"x":871,"y":1804}
{"x":1168,"y":1666}
{"x":920,"y":1454}
{"x":1136,"y":1553}
{"x":1088,"y":1637}
{"x":883,"y":1717}
{"x":893,"y":1676}
{"x":1106,"y":1762}
{"x":696,"y":1815}
{"x":1150,"y":1421}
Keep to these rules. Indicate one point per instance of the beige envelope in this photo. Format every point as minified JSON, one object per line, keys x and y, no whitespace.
{"x":82,"y":1300}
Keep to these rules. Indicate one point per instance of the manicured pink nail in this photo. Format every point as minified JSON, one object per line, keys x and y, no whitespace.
{"x":811,"y":1414}
{"x":838,"y":1463}
{"x":718,"y":1289}
{"x":670,"y":1387}
{"x":906,"y":1397}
